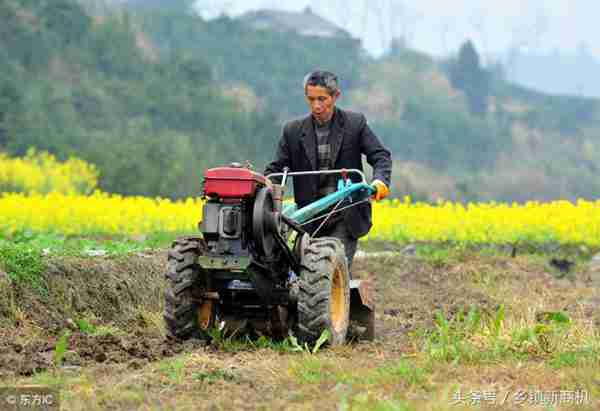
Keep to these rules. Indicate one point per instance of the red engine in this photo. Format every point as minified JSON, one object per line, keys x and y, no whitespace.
{"x":232,"y":182}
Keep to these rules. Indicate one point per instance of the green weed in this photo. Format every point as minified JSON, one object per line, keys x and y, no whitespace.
{"x":24,"y":265}
{"x":363,"y":401}
{"x":85,"y":326}
{"x":469,"y":338}
{"x":173,"y":369}
{"x":544,"y":336}
{"x":297,"y":347}
{"x":437,"y":256}
{"x":497,"y":322}
{"x":473,"y":339}
{"x":566,"y":359}
{"x":213,"y":376}
{"x":311,"y":370}
{"x":402,"y":370}
{"x":88,"y":326}
{"x":263,"y":342}
{"x":61,"y":348}
{"x":449,"y":340}
{"x":231,"y":343}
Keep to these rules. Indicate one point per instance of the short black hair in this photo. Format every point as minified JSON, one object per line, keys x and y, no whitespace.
{"x":322,"y":78}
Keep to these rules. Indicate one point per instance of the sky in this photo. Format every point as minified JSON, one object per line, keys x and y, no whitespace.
{"x":439,"y":27}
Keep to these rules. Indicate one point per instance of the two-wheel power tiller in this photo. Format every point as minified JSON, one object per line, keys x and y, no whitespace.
{"x":254,"y":267}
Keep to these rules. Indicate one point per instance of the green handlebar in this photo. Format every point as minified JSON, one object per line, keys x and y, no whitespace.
{"x":353,"y":192}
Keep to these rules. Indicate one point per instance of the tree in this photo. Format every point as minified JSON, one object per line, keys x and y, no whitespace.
{"x":466,"y":74}
{"x":67,"y":19}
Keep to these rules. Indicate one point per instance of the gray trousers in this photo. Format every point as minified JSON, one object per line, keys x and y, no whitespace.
{"x":339,"y":231}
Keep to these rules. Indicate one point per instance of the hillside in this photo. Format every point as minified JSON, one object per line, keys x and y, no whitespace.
{"x":272,"y":64}
{"x":171,"y":94}
{"x":98,"y":88}
{"x":527,"y":146}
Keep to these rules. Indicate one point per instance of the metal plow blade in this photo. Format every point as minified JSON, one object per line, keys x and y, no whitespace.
{"x":362,"y":310}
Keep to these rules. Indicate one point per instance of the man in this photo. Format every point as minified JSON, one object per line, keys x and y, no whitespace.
{"x":332,"y":138}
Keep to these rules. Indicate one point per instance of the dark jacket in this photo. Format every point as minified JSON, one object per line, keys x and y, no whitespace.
{"x":350,"y":137}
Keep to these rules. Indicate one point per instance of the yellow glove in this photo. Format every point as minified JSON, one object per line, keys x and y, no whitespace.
{"x":382,"y":190}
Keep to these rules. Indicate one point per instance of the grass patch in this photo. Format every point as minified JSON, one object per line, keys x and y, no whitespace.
{"x":56,"y":378}
{"x":316,"y":370}
{"x":453,"y":251}
{"x":172,"y":370}
{"x":437,"y":256}
{"x":449,"y":341}
{"x":24,"y":265}
{"x":313,"y":370}
{"x":56,"y":244}
{"x":210,"y":377}
{"x":231,"y":342}
{"x":405,"y":371}
{"x":568,"y":359}
{"x":476,"y":338}
{"x":86,"y":327}
{"x":363,"y":401}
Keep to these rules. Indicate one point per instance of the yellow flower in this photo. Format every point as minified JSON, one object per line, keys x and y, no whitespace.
{"x":43,"y":173}
{"x":42,"y":194}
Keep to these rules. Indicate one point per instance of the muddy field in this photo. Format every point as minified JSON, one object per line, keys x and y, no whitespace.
{"x":103,"y":318}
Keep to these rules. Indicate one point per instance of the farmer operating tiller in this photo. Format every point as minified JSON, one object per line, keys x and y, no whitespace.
{"x":271,"y":268}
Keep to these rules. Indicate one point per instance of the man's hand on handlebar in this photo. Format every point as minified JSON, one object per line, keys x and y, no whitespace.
{"x":381,"y":190}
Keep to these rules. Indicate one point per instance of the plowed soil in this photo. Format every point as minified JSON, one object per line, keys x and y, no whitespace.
{"x":125,"y":297}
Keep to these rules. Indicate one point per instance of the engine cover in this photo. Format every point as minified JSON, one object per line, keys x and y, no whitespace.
{"x":232,"y":182}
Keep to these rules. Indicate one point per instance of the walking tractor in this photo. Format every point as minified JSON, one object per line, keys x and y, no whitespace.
{"x":255,"y":268}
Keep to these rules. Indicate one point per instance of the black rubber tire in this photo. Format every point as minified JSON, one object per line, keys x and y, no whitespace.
{"x":185,"y":283}
{"x":321,"y":258}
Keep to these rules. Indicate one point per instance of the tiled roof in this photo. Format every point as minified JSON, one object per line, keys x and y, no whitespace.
{"x":305,"y":22}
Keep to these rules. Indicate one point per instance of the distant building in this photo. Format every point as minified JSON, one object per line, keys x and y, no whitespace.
{"x":305,"y":23}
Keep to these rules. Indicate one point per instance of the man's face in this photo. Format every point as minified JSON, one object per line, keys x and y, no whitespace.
{"x":321,"y":103}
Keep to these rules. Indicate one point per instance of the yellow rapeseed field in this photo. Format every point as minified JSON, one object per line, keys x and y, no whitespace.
{"x":395,"y":220}
{"x":99,"y":213}
{"x":501,"y":223}
{"x":43,"y":173}
{"x":41,"y":194}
